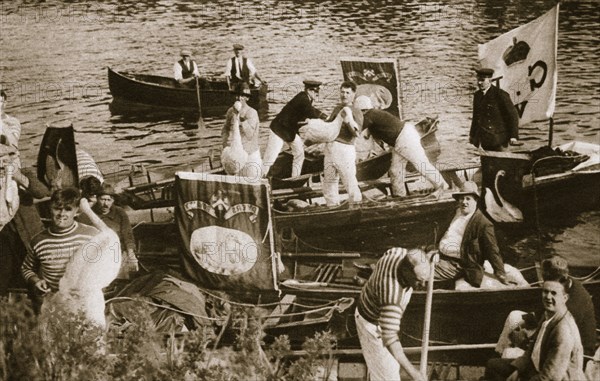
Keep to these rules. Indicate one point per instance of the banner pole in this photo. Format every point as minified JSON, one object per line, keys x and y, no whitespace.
{"x":551,"y":132}
{"x":398,"y":83}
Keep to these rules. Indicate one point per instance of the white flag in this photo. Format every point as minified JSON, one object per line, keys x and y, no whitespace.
{"x":524,"y":63}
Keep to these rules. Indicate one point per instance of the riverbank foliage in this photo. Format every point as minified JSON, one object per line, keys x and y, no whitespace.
{"x":60,"y":346}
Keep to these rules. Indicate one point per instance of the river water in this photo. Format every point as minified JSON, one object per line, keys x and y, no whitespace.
{"x":54,"y":57}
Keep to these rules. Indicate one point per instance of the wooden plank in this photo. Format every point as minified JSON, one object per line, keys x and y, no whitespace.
{"x":284,"y":305}
{"x":407,"y":350}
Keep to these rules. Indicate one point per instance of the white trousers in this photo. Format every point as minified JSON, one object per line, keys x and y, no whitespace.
{"x":274,"y":147}
{"x":340,"y":162}
{"x":382,"y":365}
{"x":408,"y":148}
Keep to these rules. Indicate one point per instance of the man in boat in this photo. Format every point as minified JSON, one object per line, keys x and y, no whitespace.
{"x":555,"y":352}
{"x":185,"y":71}
{"x":240,"y":69}
{"x":249,"y":131}
{"x":285,"y":126}
{"x":579,"y":304}
{"x":495,"y":121}
{"x":468,"y":242}
{"x":52,"y":248}
{"x":340,"y":155}
{"x":380,"y":307}
{"x":406,"y":141}
{"x":116,"y":218}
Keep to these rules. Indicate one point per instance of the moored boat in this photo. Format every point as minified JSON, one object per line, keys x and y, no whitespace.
{"x":165,"y":92}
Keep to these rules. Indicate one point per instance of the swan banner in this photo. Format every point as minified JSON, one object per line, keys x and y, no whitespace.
{"x":225,"y":227}
{"x":524,"y":63}
{"x":376,"y":78}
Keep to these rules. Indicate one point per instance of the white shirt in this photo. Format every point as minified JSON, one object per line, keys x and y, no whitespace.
{"x":450,"y":242}
{"x":239,"y":61}
{"x":177,"y":70}
{"x":535,"y":353}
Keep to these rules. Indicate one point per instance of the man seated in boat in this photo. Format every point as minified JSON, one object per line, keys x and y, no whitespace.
{"x":579,"y":304}
{"x":240,"y":69}
{"x":380,"y":307}
{"x":185,"y":71}
{"x":555,"y":351}
{"x":285,"y":126}
{"x":116,"y":219}
{"x":468,"y":242}
{"x":247,"y":138}
{"x":340,"y":155}
{"x":406,"y":141}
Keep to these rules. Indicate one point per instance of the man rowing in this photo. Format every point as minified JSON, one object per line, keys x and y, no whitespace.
{"x":185,"y":71}
{"x":240,"y":69}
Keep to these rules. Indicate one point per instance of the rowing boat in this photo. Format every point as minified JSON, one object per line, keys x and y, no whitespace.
{"x":166,"y":93}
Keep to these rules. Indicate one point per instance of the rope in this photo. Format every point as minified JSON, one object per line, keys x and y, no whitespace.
{"x":431,"y":341}
{"x":589,"y":276}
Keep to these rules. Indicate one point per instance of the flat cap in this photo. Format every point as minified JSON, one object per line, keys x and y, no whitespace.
{"x":312,"y":84}
{"x":485,"y":72}
{"x":238,"y":47}
{"x":186,"y":52}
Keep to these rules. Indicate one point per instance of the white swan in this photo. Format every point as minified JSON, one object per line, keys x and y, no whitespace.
{"x":319,"y":131}
{"x":504,"y":212}
{"x":234,"y":157}
{"x":93,"y":267}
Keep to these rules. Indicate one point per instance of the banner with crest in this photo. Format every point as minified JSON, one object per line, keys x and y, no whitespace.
{"x":226,"y":231}
{"x":524,"y":63}
{"x":376,"y":78}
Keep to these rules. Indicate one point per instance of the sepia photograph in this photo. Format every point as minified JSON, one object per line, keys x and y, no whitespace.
{"x":217,"y":190}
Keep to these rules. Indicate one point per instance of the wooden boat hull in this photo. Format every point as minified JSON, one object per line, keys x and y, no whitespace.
{"x":165,"y":92}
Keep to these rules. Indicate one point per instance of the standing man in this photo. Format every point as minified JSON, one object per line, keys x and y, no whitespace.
{"x":185,"y":71}
{"x":240,"y":69}
{"x":285,"y":126}
{"x":340,"y":155}
{"x":468,"y":242}
{"x":382,"y":303}
{"x":495,"y":120}
{"x":405,"y":139}
{"x":249,"y":131}
{"x":555,"y":352}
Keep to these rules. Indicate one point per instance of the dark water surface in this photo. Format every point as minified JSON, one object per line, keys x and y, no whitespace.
{"x":54,"y":57}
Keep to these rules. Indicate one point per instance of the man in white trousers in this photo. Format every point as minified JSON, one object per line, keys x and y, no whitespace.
{"x":285,"y":126}
{"x":405,"y":139}
{"x":340,"y":155}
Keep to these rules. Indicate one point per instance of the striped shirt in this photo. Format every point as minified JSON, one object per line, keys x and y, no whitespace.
{"x":86,"y":166}
{"x":52,"y":252}
{"x":383,"y":298}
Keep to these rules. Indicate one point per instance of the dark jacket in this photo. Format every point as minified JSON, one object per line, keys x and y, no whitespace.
{"x":561,"y":354}
{"x":495,"y":119}
{"x":285,"y":124}
{"x":478,"y":244}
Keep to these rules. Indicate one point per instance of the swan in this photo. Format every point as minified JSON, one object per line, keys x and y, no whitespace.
{"x":319,"y":131}
{"x":93,"y":267}
{"x":234,"y":157}
{"x":505,"y":211}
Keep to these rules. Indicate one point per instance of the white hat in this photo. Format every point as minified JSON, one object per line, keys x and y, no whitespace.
{"x":363,"y":102}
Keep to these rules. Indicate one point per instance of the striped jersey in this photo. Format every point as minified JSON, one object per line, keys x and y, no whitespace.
{"x":86,"y":166}
{"x":53,"y":251}
{"x":383,"y":298}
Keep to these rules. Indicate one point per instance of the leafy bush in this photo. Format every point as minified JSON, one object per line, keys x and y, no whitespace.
{"x":61,"y":346}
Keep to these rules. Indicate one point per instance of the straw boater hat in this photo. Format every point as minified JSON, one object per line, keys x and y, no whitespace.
{"x":468,"y":188}
{"x":238,"y":47}
{"x":186,"y":52}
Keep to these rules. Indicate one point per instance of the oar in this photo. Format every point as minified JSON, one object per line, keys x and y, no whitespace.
{"x":200,"y":119}
{"x":427,"y":319}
